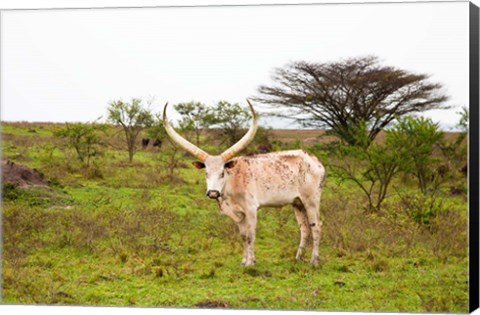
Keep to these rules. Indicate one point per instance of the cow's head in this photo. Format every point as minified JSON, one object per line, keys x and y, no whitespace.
{"x":216,"y":166}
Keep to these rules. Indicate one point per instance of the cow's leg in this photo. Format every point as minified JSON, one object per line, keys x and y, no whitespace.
{"x":302,"y":221}
{"x":245,"y":254}
{"x":243,"y":233}
{"x":247,"y":231}
{"x":312,"y":210}
{"x":246,"y":223}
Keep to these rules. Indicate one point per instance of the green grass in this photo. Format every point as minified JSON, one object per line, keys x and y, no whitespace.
{"x":136,"y":236}
{"x":26,"y":129}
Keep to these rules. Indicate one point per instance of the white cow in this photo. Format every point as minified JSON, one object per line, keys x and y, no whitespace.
{"x":243,"y":184}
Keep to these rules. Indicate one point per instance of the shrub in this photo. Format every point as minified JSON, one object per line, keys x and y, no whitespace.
{"x":421,"y":208}
{"x":370,"y":167}
{"x":456,"y":151}
{"x":83,"y":138}
{"x":264,"y":137}
{"x":157,"y":131}
{"x":415,"y":139}
{"x":9,"y":192}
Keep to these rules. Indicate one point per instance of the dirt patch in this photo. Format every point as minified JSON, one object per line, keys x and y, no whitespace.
{"x":21,"y":176}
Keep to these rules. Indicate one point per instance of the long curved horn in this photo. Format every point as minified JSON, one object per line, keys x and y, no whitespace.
{"x":246,"y":139}
{"x":178,"y":139}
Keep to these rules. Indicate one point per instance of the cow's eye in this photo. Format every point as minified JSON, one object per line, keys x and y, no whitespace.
{"x":222,"y":174}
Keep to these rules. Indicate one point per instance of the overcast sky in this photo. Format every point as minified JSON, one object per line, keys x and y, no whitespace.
{"x":67,"y":65}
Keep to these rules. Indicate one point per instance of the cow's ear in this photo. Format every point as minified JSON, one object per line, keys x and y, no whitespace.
{"x":230,"y":164}
{"x":198,"y":165}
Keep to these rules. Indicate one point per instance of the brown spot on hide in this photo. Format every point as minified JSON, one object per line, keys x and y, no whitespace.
{"x":322,"y":182}
{"x":290,"y":157}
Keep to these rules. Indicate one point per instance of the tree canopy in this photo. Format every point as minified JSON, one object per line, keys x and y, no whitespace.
{"x":133,"y":118}
{"x":341,"y":95}
{"x":232,"y":119}
{"x":196,"y":117}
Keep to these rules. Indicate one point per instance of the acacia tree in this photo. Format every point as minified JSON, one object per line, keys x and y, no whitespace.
{"x":196,"y":117}
{"x":341,"y":95}
{"x":133,"y":118}
{"x":232,"y":119}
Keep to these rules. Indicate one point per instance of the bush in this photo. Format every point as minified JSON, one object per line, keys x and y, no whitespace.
{"x":83,"y":138}
{"x":9,"y":192}
{"x":370,"y":167}
{"x":157,"y":131}
{"x":455,"y":152}
{"x":263,"y":138}
{"x":422,"y":209}
{"x":415,"y":139}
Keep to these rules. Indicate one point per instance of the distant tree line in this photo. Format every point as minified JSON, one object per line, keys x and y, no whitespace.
{"x":353,"y":99}
{"x":342,"y":97}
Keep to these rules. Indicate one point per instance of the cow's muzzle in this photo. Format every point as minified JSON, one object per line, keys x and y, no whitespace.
{"x":213,"y":194}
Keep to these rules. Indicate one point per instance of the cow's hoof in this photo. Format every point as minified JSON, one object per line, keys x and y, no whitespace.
{"x":315,"y":261}
{"x":248,"y":263}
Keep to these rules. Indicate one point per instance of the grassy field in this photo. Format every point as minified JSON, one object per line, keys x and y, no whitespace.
{"x":136,"y":235}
